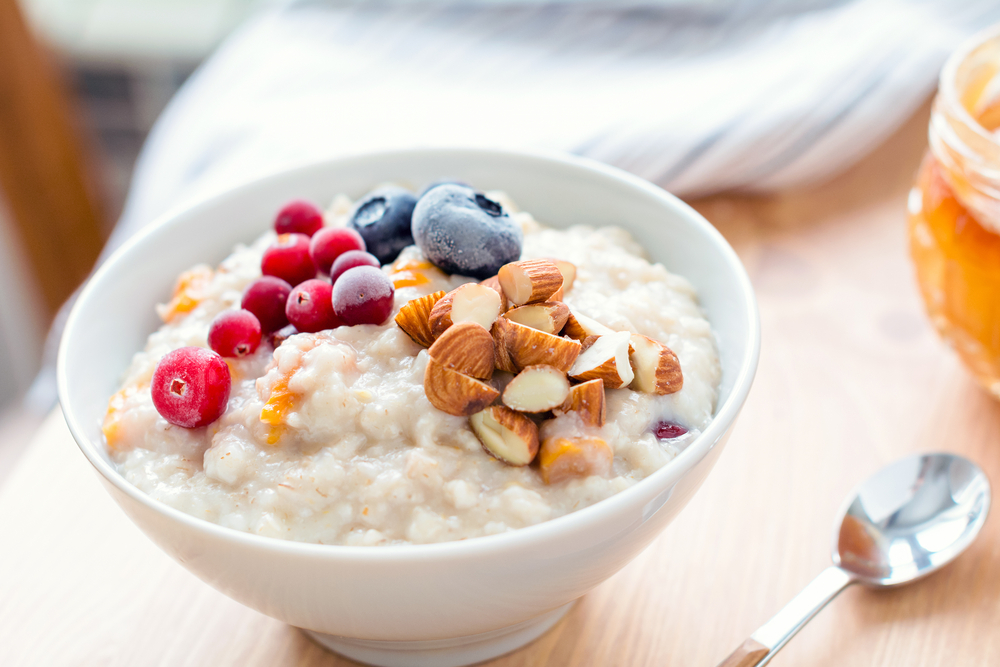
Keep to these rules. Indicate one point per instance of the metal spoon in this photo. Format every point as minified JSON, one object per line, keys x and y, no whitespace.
{"x":906,"y":521}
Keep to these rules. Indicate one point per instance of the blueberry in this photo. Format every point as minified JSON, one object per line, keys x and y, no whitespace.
{"x":465,"y":232}
{"x":441,"y":181}
{"x":382,"y":218}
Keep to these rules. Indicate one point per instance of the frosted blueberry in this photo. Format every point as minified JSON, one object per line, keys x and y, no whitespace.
{"x":382,"y":218}
{"x":465,"y":232}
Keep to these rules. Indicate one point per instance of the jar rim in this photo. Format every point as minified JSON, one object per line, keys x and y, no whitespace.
{"x":947,"y":82}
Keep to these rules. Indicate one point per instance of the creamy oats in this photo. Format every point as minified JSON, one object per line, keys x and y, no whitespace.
{"x":352,"y":451}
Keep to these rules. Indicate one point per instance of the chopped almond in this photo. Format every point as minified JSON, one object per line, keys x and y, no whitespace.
{"x":529,"y":281}
{"x":657,"y":369}
{"x":606,"y":359}
{"x":470,"y":302}
{"x":568,"y":271}
{"x":501,"y":332}
{"x":494,"y":284}
{"x":506,"y":435}
{"x":454,"y":393}
{"x":536,"y":389}
{"x":549,"y":316}
{"x":531,"y":347}
{"x":580,"y":326}
{"x":586,"y":400}
{"x":414,"y":318}
{"x":466,"y":348}
{"x":562,"y":459}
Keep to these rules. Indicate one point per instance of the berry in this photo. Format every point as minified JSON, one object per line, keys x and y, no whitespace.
{"x":234,"y":333}
{"x":349,"y":260}
{"x":310,"y":308}
{"x":281,"y":335}
{"x":330,"y":243}
{"x":465,"y":232}
{"x":190,"y":387}
{"x":288,"y":259}
{"x":383,"y":220}
{"x":266,"y":298}
{"x":299,"y":217}
{"x":363,"y":295}
{"x":668,"y":430}
{"x":441,"y":181}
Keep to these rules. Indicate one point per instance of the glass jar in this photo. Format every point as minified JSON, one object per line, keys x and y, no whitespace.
{"x":954,"y":208}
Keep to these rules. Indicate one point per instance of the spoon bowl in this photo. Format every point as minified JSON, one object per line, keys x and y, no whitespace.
{"x":906,"y":521}
{"x":911,"y":518}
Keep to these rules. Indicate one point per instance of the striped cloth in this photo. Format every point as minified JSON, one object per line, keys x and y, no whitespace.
{"x":695,"y":95}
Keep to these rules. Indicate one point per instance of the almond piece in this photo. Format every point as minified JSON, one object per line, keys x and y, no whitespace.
{"x":580,"y":326}
{"x":466,"y":348}
{"x":536,"y":389}
{"x":531,"y":347}
{"x":656,"y":367}
{"x":568,"y":271}
{"x":549,"y":316}
{"x":494,"y":284}
{"x":586,"y":400}
{"x":506,"y":435}
{"x":414,"y":316}
{"x":501,"y":333}
{"x":607,"y":360}
{"x":562,"y":459}
{"x":470,"y":302}
{"x":454,"y":393}
{"x":529,"y":281}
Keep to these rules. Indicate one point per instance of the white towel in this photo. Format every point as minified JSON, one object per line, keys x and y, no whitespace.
{"x":696,"y":96}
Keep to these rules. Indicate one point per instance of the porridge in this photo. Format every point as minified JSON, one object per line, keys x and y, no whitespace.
{"x":456,"y":370}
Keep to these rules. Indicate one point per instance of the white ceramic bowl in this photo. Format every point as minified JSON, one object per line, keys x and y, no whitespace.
{"x":439,"y":604}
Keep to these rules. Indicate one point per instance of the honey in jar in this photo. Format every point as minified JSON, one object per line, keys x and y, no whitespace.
{"x":954,"y":209}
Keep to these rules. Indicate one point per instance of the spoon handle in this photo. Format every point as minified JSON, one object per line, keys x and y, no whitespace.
{"x":770,"y":637}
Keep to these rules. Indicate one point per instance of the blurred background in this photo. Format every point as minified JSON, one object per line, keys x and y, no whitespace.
{"x":698,"y":96}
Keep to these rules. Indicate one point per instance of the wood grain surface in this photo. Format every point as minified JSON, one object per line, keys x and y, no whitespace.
{"x":851,"y":377}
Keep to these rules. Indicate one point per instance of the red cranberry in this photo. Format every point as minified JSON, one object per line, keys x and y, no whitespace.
{"x":299,"y":217}
{"x":281,"y":335}
{"x":190,"y":387}
{"x":668,"y":430}
{"x":288,"y":259}
{"x":234,"y":333}
{"x":330,"y":243}
{"x":265,"y":298}
{"x":351,"y":259}
{"x":363,"y":295}
{"x":309,"y":307}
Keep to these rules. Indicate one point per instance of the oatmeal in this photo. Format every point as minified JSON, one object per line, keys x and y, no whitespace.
{"x":336,"y":436}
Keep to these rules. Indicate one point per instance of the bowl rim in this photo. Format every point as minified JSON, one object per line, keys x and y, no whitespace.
{"x":550,"y":529}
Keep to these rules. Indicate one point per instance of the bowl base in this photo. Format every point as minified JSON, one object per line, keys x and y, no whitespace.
{"x":454,"y":652}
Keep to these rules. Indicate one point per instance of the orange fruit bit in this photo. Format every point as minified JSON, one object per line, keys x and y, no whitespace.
{"x":562,"y":459}
{"x":410,"y":273}
{"x":113,"y":417}
{"x":188,"y":293}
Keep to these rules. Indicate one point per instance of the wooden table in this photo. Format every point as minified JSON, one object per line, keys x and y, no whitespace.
{"x":851,"y":377}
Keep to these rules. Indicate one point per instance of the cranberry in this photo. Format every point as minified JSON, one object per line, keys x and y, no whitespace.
{"x":265,"y":298}
{"x":281,"y":335}
{"x":310,"y":308}
{"x":351,"y":259}
{"x":234,"y":333}
{"x":299,"y":217}
{"x":330,"y":243}
{"x":288,"y":259}
{"x":363,"y":295}
{"x":190,"y":387}
{"x":668,"y":430}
